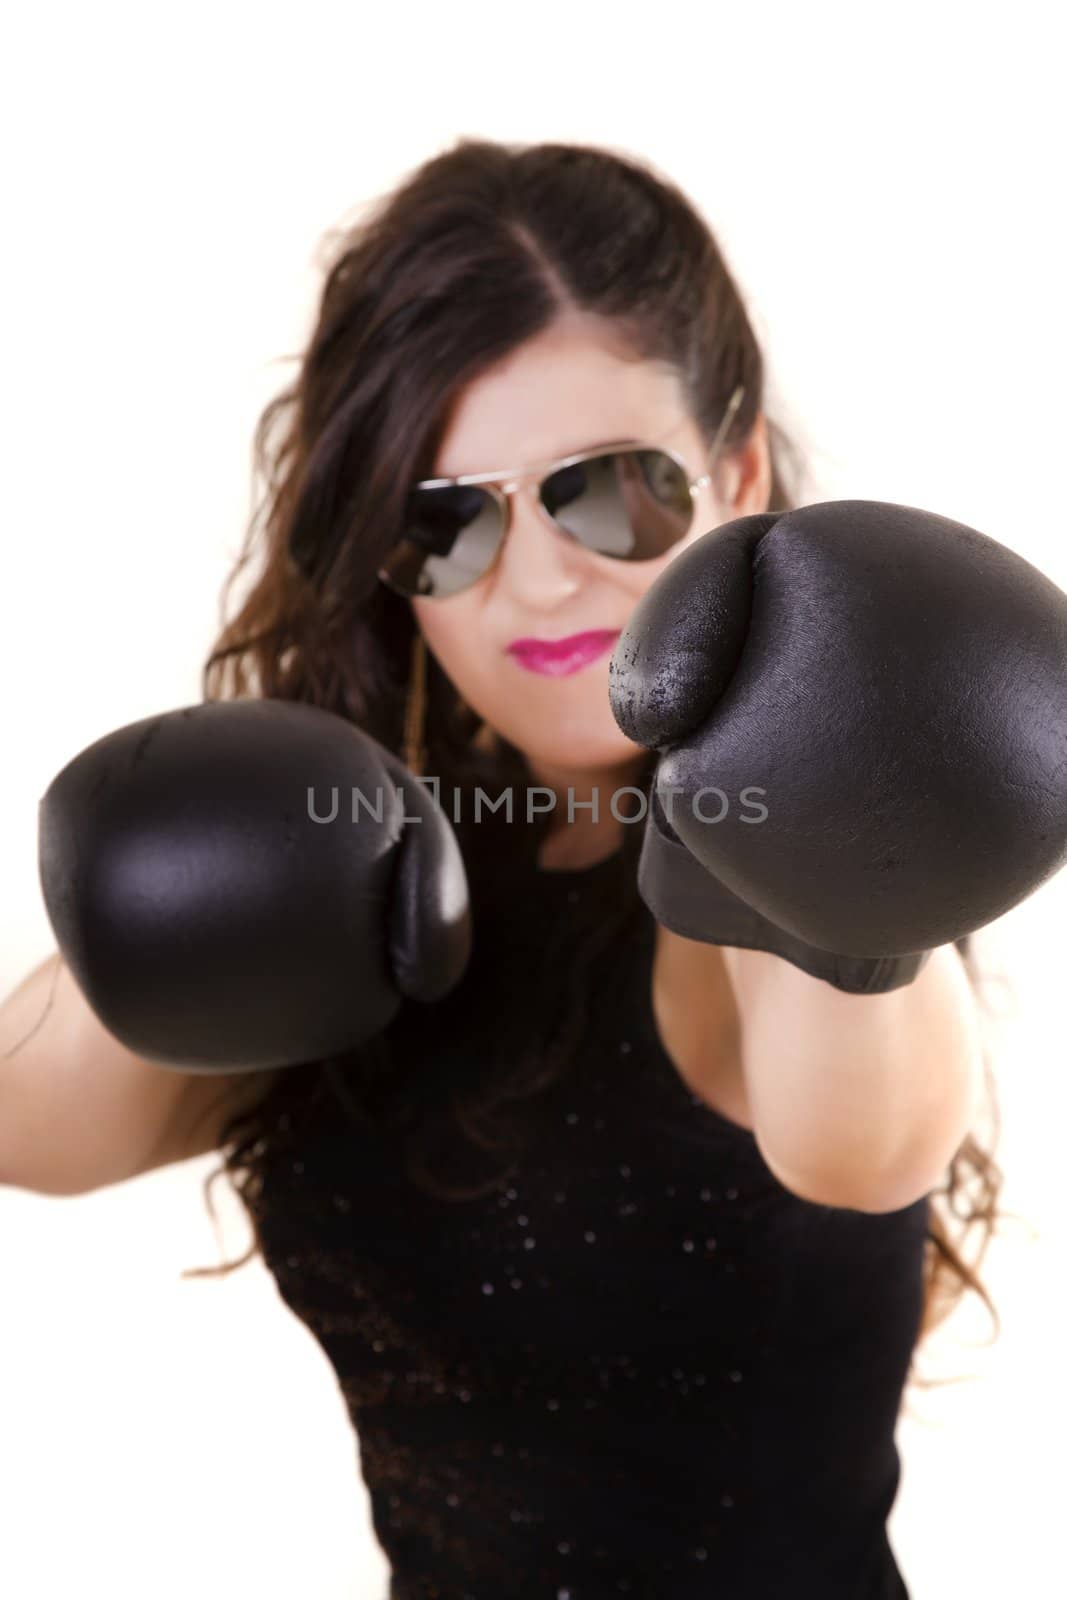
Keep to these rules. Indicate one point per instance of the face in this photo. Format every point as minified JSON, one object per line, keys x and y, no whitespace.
{"x":568,"y":389}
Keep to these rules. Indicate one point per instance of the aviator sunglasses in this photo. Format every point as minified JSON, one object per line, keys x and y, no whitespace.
{"x":627,"y":501}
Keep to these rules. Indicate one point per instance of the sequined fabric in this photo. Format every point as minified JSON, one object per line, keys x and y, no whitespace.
{"x":638,"y":1366}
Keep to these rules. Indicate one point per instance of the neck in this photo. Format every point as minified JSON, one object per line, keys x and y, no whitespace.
{"x":583,"y":828}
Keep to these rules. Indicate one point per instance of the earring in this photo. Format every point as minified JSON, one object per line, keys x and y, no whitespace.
{"x":415,"y":707}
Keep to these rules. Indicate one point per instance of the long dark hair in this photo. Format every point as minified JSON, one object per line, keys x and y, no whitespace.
{"x":477,"y":250}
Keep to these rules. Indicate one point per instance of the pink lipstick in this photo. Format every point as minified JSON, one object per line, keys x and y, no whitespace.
{"x":557,"y":658}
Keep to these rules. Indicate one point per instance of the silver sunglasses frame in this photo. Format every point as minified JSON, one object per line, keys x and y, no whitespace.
{"x":501,"y":485}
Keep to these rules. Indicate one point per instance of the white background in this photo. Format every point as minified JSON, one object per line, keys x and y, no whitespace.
{"x":887,"y":183}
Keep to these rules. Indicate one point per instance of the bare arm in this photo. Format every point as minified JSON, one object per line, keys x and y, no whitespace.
{"x":79,"y":1111}
{"x":858,"y":1100}
{"x":854,"y":1100}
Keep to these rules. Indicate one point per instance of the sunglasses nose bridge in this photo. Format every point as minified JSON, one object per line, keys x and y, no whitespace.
{"x":525,"y":490}
{"x":514,"y":487}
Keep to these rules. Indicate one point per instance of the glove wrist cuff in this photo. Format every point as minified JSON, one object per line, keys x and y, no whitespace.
{"x":688,"y":900}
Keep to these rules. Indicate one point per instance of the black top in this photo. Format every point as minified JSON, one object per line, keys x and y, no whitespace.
{"x":638,"y":1365}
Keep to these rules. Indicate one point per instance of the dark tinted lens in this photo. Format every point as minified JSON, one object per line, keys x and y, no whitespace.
{"x":450,"y":537}
{"x":631,"y":504}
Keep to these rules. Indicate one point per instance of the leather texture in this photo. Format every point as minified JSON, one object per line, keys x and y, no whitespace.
{"x":891,"y":686}
{"x":216,"y":910}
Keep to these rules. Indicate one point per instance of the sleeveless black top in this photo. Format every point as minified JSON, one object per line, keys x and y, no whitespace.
{"x":636,"y":1366}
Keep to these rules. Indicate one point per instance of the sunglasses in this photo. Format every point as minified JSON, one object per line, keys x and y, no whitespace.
{"x":627,"y":501}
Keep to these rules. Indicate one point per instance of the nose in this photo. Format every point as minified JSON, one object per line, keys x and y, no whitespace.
{"x":539,"y":567}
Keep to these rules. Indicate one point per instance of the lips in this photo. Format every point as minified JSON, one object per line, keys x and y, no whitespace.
{"x":558,"y":657}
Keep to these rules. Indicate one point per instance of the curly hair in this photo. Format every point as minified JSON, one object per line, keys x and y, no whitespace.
{"x":480,"y":248}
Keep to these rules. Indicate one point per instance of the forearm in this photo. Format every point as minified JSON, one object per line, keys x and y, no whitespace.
{"x":858,"y":1100}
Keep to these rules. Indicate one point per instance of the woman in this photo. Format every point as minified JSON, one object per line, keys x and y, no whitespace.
{"x":590,"y":1343}
{"x":591,"y":1340}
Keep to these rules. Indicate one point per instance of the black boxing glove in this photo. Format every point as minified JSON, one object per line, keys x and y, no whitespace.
{"x":215,"y":919}
{"x":878,"y":697}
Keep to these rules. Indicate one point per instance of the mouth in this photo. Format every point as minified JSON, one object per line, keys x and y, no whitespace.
{"x":558,"y":658}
